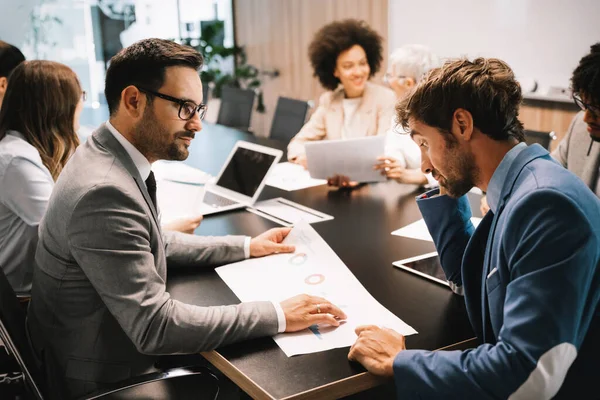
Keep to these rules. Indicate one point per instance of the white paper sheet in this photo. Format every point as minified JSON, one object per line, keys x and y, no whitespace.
{"x":176,"y":171}
{"x":418,"y":230}
{"x":289,"y":176}
{"x":353,"y":158}
{"x":286,"y":212}
{"x":177,"y":200}
{"x":313,"y":269}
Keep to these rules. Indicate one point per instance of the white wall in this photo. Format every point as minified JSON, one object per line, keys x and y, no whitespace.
{"x":540,"y":39}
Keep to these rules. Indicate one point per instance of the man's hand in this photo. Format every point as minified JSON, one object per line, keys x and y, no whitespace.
{"x":185,"y":225}
{"x":270,"y":242}
{"x":376,"y":349}
{"x":301,"y":159}
{"x":484,"y":207}
{"x":391,"y":168}
{"x":303,"y":311}
{"x":341,"y":181}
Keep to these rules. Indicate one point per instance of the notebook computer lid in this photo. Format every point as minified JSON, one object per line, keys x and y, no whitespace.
{"x":244,"y":173}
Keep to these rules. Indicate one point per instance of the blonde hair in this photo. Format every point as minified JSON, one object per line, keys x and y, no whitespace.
{"x":413,"y":61}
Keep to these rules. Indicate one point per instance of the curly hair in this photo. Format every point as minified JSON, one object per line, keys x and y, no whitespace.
{"x":339,"y":36}
{"x":486,"y":87}
{"x":586,"y":77}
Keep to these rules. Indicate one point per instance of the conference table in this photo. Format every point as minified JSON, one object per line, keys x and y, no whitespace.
{"x":360,"y":234}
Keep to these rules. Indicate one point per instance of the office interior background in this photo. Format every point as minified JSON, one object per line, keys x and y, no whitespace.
{"x":542,"y":40}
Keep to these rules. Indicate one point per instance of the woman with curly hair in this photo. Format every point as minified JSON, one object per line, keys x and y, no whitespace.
{"x":344,"y":55}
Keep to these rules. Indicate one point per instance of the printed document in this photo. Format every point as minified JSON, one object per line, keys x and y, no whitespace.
{"x":289,"y":176}
{"x":418,"y":230}
{"x":353,"y":158}
{"x":314,"y":269}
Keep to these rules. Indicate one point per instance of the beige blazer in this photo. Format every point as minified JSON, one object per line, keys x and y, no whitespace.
{"x":375,"y":113}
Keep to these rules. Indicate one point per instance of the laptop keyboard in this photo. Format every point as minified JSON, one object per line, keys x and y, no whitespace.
{"x":215,"y":200}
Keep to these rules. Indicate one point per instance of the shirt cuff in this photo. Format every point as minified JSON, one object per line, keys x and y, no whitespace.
{"x":280,"y":317}
{"x":247,"y":247}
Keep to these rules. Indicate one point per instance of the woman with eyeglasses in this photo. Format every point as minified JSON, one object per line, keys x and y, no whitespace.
{"x":344,"y":56}
{"x":402,"y":162}
{"x":38,"y":124}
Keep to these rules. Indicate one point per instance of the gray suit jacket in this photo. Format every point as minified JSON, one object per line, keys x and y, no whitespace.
{"x":579,"y":153}
{"x":100,"y":311}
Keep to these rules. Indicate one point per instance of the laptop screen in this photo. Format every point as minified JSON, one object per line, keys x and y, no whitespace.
{"x":246,"y":171}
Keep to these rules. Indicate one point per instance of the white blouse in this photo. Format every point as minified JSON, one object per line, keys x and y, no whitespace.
{"x":25,"y":188}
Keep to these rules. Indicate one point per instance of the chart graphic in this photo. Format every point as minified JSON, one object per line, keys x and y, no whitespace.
{"x":298,"y":259}
{"x":314,"y":279}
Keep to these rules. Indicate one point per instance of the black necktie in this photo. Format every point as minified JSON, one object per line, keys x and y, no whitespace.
{"x":151,"y":185}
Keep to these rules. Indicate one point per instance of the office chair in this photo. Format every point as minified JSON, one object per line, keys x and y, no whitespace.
{"x":542,"y":138}
{"x":236,"y":108}
{"x":289,"y":117}
{"x":13,"y":334}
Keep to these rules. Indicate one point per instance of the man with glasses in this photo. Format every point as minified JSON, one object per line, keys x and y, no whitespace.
{"x":100,"y":312}
{"x":579,"y":151}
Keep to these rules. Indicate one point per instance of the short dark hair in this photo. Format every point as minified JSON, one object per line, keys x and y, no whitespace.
{"x":339,"y":36}
{"x":586,"y":77}
{"x":10,"y":57}
{"x":486,"y":87}
{"x":143,"y":64}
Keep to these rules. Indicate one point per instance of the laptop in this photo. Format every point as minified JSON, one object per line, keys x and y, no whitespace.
{"x":241,"y":179}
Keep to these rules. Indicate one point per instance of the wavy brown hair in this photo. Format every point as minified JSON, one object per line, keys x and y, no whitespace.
{"x":486,"y":87}
{"x":40,"y":103}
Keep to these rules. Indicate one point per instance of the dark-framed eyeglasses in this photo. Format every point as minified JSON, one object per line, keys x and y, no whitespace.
{"x":584,"y":106}
{"x":84,"y":95}
{"x":187,"y":108}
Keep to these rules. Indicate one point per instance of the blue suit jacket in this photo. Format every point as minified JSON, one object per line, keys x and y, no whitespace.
{"x":531,"y":281}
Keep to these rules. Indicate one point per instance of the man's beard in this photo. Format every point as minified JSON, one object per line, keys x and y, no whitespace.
{"x":154,"y":142}
{"x":462,"y":174}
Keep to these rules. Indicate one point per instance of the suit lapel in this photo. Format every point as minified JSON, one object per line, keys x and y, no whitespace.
{"x":525,"y":157}
{"x":366,"y":108}
{"x":105,"y":138}
{"x":335,"y":118}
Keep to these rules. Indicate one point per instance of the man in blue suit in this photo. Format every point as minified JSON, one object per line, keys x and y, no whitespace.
{"x":530,"y":272}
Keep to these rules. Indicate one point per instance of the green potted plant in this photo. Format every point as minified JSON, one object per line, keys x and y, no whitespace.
{"x":243,"y":76}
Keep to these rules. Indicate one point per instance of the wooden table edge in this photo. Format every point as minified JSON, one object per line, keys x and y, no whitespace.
{"x":340,"y":388}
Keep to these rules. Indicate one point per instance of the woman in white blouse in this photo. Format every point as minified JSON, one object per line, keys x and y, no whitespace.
{"x":402,"y":162}
{"x":38,"y":124}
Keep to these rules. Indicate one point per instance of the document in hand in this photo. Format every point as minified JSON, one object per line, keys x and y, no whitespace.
{"x":314,"y":269}
{"x":353,"y":158}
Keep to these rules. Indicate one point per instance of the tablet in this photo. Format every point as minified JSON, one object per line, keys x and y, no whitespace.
{"x":353,"y":158}
{"x":426,"y":265}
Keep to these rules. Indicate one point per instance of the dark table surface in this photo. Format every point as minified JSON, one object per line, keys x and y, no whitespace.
{"x":360,"y":235}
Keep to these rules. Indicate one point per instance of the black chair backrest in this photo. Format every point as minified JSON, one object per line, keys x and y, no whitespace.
{"x":289,"y":117}
{"x":14,"y":336}
{"x":542,"y":138}
{"x":236,"y":107}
